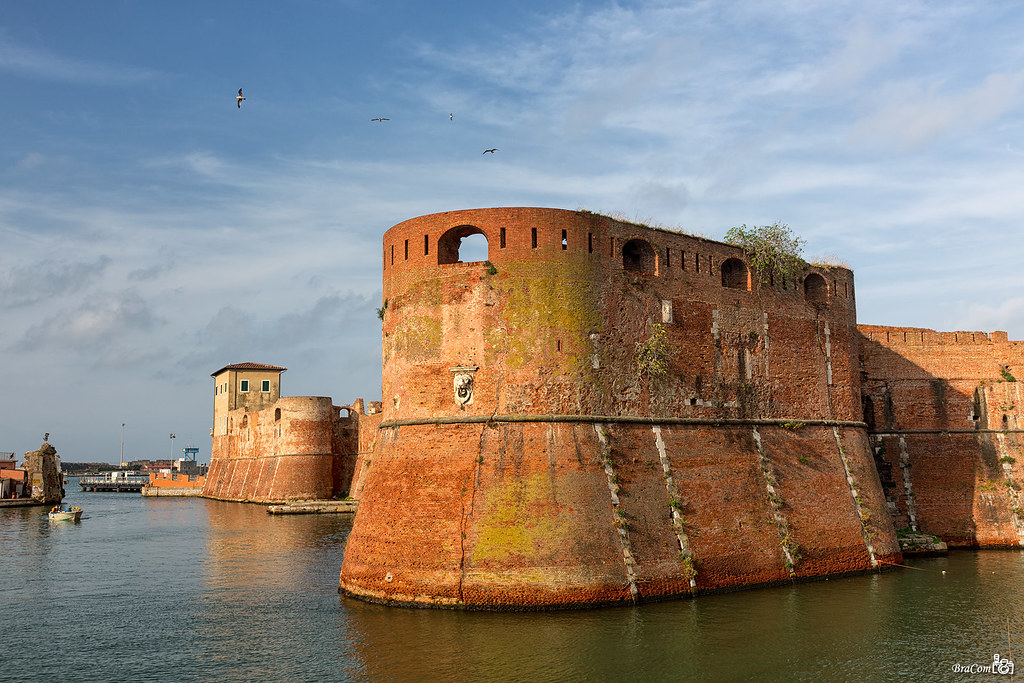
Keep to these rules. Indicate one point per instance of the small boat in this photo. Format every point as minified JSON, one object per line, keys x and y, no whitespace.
{"x":72,"y":514}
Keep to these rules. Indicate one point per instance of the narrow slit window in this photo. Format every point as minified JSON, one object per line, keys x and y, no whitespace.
{"x":407,"y":250}
{"x":426,"y":245}
{"x":392,"y":254}
{"x":590,"y":243}
{"x":682,"y":259}
{"x":565,"y":240}
{"x":533,"y":237}
{"x":696,"y":260}
{"x":502,"y":238}
{"x":668,"y":257}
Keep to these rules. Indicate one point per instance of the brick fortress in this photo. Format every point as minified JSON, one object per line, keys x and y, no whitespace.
{"x":529,"y":451}
{"x":273,"y":449}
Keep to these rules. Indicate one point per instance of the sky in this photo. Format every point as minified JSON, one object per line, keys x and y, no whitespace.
{"x":151,"y":231}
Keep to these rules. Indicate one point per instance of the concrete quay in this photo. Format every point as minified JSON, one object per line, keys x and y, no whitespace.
{"x":22,"y":503}
{"x":171,"y":491}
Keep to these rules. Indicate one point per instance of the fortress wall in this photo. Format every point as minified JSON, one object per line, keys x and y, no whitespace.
{"x":356,"y":463}
{"x":559,"y":415}
{"x":364,"y":458}
{"x":946,"y":416}
{"x":538,"y":320}
{"x":268,"y":456}
{"x":533,"y":524}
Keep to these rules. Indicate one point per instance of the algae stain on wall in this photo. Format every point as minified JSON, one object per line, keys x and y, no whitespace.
{"x":419,"y":337}
{"x":519,"y":522}
{"x":566,"y":306}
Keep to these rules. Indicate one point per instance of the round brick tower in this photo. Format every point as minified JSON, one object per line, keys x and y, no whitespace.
{"x":603,"y":412}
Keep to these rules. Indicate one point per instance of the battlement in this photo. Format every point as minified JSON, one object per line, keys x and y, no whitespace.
{"x":920,"y":336}
{"x":563,"y":238}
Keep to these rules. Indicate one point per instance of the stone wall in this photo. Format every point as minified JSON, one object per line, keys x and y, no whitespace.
{"x":44,"y":476}
{"x":525,"y":459}
{"x":944,"y":409}
{"x":297,"y":448}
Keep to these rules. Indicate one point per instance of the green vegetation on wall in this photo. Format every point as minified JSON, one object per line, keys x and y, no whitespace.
{"x":771,"y":248}
{"x":652,"y":354}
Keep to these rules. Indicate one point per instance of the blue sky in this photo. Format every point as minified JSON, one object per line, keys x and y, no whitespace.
{"x":152,"y":232}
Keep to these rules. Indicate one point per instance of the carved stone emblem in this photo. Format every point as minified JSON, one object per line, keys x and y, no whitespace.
{"x":463,"y":384}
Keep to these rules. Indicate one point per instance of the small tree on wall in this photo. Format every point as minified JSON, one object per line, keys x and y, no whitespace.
{"x":652,"y":354}
{"x":771,"y":248}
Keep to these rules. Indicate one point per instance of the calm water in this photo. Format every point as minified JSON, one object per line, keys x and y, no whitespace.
{"x":185,"y":589}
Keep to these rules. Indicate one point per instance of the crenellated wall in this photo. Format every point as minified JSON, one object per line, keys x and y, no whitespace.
{"x":526,"y":458}
{"x":944,"y":409}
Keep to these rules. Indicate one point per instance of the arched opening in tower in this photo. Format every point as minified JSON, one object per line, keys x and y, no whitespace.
{"x":815,"y":289}
{"x":638,"y":257}
{"x":462,"y":244}
{"x":735,"y":274}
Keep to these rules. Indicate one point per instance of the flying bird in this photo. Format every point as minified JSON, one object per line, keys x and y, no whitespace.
{"x":451,"y":117}
{"x":380,"y":119}
{"x":491,"y":151}
{"x":239,"y":98}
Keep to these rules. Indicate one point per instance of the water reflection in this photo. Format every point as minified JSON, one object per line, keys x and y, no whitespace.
{"x":911,"y":625}
{"x":270,"y":591}
{"x":207,"y":590}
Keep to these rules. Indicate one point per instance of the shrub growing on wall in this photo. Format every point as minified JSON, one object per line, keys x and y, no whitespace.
{"x":771,"y":248}
{"x":652,"y":355}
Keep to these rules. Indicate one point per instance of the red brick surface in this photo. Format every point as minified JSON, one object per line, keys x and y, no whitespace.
{"x":954,"y":399}
{"x":513,"y":514}
{"x":309,"y":453}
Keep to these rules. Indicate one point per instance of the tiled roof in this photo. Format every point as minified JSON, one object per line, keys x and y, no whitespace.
{"x":248,"y":366}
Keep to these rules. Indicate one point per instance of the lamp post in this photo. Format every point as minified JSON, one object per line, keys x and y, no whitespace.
{"x":170,"y":452}
{"x":122,"y":444}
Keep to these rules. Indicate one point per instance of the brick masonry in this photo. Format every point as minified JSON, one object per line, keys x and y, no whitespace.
{"x":520,"y":458}
{"x":273,"y":449}
{"x":524,"y":461}
{"x":944,"y":409}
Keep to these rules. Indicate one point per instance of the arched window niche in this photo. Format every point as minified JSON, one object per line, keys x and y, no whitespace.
{"x":815,"y":289}
{"x":638,"y":257}
{"x":462,"y":244}
{"x":735,"y":274}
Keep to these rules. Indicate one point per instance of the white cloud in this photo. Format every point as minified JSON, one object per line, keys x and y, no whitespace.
{"x":102,"y":321}
{"x":47,"y":279}
{"x":41,"y":63}
{"x":911,"y":113}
